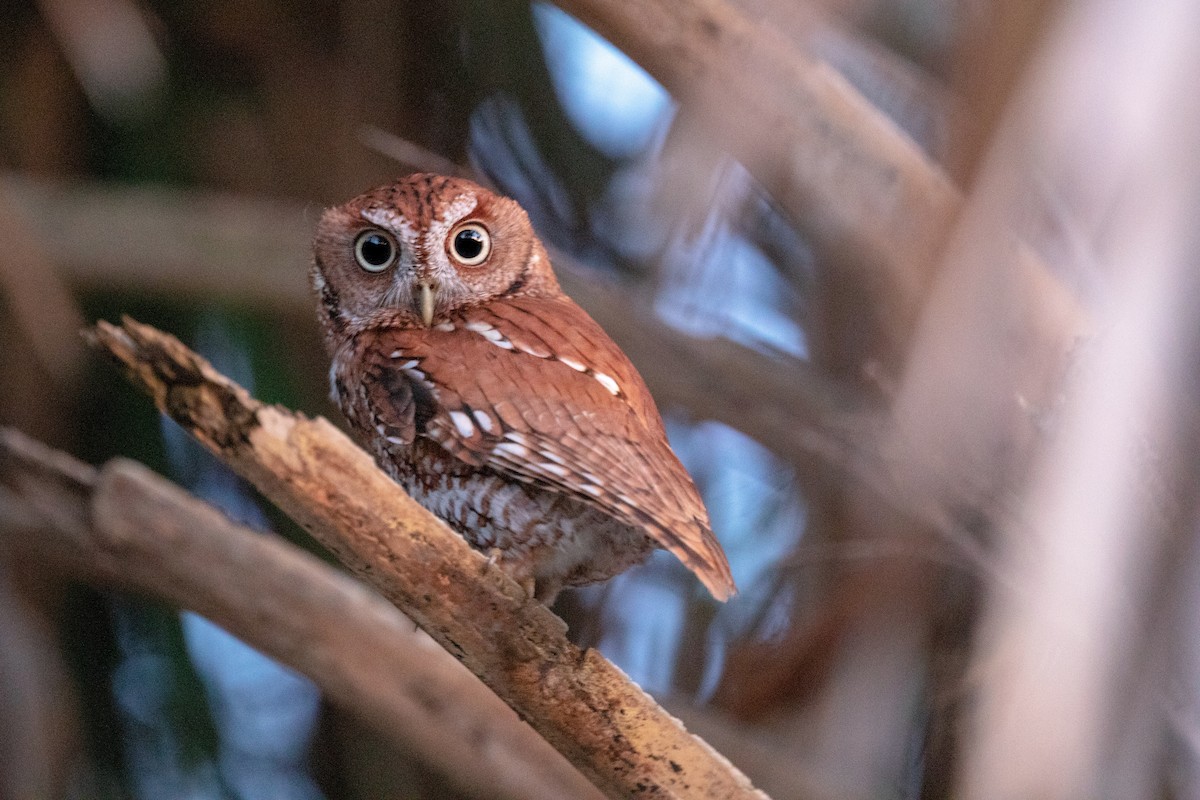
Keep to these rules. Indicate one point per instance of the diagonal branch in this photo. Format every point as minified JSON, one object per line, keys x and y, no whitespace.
{"x":840,"y":169}
{"x":608,"y":727}
{"x":125,"y":525}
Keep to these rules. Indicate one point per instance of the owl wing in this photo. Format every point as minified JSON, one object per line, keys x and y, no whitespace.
{"x":533,"y":389}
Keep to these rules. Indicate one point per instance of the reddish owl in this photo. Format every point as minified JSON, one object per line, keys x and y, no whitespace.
{"x":498,"y":403}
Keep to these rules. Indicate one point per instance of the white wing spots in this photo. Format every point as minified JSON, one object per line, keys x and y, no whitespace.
{"x":489,"y":332}
{"x":462,"y":423}
{"x":397,"y":354}
{"x":410,"y":369}
{"x":396,"y":440}
{"x":444,"y":327}
{"x":517,"y":437}
{"x":502,"y":343}
{"x":511,"y":449}
{"x":533,"y":350}
{"x":592,"y":489}
{"x":550,"y":455}
{"x":483,"y":420}
{"x":607,"y":382}
{"x":554,"y":469}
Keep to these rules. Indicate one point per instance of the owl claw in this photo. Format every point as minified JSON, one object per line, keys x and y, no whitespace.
{"x":495,"y":560}
{"x":546,"y":591}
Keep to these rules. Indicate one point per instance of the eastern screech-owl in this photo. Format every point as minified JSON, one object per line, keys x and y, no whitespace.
{"x":498,"y":403}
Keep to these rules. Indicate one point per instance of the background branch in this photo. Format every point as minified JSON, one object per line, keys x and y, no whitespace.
{"x":111,"y":236}
{"x":608,"y":727}
{"x":841,"y":169}
{"x":106,"y":237}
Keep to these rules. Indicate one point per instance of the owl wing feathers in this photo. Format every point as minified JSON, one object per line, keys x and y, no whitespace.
{"x":399,"y":401}
{"x":534,"y":390}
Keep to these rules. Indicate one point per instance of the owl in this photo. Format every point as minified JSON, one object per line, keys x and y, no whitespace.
{"x":494,"y":399}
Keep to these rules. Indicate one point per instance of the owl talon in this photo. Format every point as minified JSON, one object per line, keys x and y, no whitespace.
{"x":546,"y":591}
{"x":495,"y":560}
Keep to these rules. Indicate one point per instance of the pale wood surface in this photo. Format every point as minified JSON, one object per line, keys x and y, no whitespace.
{"x":604,"y":724}
{"x":126,"y":526}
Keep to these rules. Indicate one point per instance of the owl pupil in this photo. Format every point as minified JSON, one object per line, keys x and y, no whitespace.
{"x":468,"y":244}
{"x":376,"y":250}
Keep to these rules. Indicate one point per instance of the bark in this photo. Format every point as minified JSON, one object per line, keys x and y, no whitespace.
{"x":123,"y":525}
{"x":583,"y":705}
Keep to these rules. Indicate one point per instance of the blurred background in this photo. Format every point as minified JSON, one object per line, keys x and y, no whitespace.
{"x":892,"y":364}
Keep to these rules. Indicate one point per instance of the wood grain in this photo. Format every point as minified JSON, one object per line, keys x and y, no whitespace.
{"x":604,"y":724}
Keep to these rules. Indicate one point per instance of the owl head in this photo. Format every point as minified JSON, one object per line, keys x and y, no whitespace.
{"x":416,"y":251}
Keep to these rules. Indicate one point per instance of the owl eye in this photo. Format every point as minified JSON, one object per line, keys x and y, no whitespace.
{"x":374,"y":250}
{"x":470,"y":244}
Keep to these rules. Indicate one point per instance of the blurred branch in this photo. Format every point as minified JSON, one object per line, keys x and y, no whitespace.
{"x":37,"y":298}
{"x":608,"y":727}
{"x":841,"y":170}
{"x":765,"y":752}
{"x":1072,"y":650}
{"x":127,"y":526}
{"x":993,"y":53}
{"x":914,"y":99}
{"x":172,"y":242}
{"x":179,"y":243}
{"x":39,"y":741}
{"x":121,"y":82}
{"x":190,"y":243}
{"x":410,"y":154}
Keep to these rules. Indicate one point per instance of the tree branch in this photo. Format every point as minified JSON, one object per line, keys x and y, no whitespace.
{"x":107,"y":237}
{"x":127,"y":526}
{"x":841,"y":169}
{"x":608,"y":727}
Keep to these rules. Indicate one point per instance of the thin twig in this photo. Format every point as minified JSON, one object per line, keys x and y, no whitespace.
{"x":410,"y":154}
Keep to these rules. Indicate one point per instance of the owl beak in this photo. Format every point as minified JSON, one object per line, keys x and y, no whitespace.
{"x":426,"y":299}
